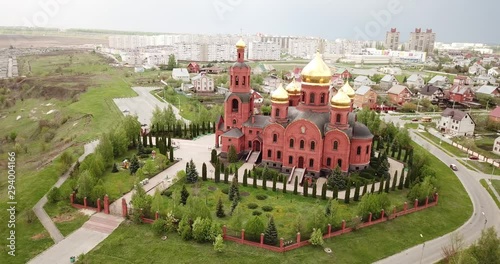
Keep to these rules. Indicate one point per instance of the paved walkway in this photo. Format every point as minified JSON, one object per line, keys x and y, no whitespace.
{"x":38,"y":208}
{"x":93,"y":232}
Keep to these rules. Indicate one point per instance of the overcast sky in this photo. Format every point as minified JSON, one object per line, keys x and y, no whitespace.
{"x":452,"y":20}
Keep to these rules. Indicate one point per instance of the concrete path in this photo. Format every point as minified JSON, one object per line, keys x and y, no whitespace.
{"x":143,"y":105}
{"x":38,"y":208}
{"x":93,"y":232}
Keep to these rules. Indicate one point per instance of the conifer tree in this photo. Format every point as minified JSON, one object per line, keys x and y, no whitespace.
{"x":184,"y":195}
{"x":220,"y":209}
{"x":234,"y":190}
{"x":245,"y":180}
{"x":171,"y":155}
{"x":347,"y":192}
{"x":204,"y":172}
{"x":305,"y":188}
{"x":394,"y":181}
{"x":191,"y":172}
{"x":387,"y":184}
{"x":226,"y":175}
{"x":314,"y":190}
{"x":373,"y":186}
{"x":254,"y":181}
{"x":284,"y":184}
{"x":335,"y":192}
{"x":365,"y":189}
{"x":401,"y":180}
{"x":381,"y":185}
{"x":296,"y":186}
{"x":323,"y":191}
{"x":274,"y":183}
{"x":356,"y":193}
{"x":264,"y":178}
{"x":271,"y":233}
{"x":217,"y":174}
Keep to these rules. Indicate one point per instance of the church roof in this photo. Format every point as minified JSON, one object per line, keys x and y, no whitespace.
{"x":233,"y":133}
{"x":360,"y":131}
{"x":319,"y":119}
{"x":260,"y":121}
{"x":240,"y":65}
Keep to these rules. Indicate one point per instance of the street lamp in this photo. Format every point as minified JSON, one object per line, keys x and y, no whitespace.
{"x":423,"y":247}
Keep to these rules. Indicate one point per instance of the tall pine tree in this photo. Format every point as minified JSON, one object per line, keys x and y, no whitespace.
{"x":296,"y":186}
{"x":356,"y":193}
{"x":271,"y":233}
{"x":220,"y":209}
{"x":226,"y":175}
{"x":204,"y":172}
{"x":314,"y":190}
{"x":401,"y":180}
{"x":347,"y":192}
{"x":394,"y":181}
{"x":245,"y":181}
{"x":365,"y":189}
{"x":305,"y":188}
{"x":323,"y":191}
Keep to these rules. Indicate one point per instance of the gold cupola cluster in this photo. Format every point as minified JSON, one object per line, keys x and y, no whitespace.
{"x":341,"y":100}
{"x":240,"y":44}
{"x":279,"y":96}
{"x":293,"y":88}
{"x":347,"y":89}
{"x":316,"y":71}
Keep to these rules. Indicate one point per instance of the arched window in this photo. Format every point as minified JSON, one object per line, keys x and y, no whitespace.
{"x":311,"y":98}
{"x":278,"y":155}
{"x":244,"y":79}
{"x":234,"y":121}
{"x":367,"y":149}
{"x":313,"y":145}
{"x":302,"y":144}
{"x":328,"y":162}
{"x":338,"y":118}
{"x":239,"y":55}
{"x":275,"y":138}
{"x":335,"y":145}
{"x":235,"y":105}
{"x":311,"y":162}
{"x":358,"y":150}
{"x":269,"y":153}
{"x":322,"y":98}
{"x":303,"y":97}
{"x":236,"y":80}
{"x":290,"y":159}
{"x":339,"y":162}
{"x":277,"y":112}
{"x":291,"y":143}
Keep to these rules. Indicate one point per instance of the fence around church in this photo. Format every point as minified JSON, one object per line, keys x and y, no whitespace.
{"x":297,"y":242}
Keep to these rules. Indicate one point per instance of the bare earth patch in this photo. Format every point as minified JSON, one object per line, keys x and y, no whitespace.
{"x":64,"y":218}
{"x":39,"y":236}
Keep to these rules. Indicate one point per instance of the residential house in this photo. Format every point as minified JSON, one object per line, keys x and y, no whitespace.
{"x":494,"y":115}
{"x":388,"y":81}
{"x":193,"y":67}
{"x":496,"y":146}
{"x":461,"y":93}
{"x":489,"y":90}
{"x":343,"y":72}
{"x":213,"y":70}
{"x":270,"y":83}
{"x":477,"y":69}
{"x":295,"y":73}
{"x":494,"y":72}
{"x":365,"y":97}
{"x":180,"y":74}
{"x":337,"y":81}
{"x":362,"y":81}
{"x":439,"y":80}
{"x":263,"y":68}
{"x":203,"y":83}
{"x":462,"y":80}
{"x":257,"y":99}
{"x":415,"y":81}
{"x":456,"y":122}
{"x":399,"y":94}
{"x":485,"y":79}
{"x":431,"y":92}
{"x":391,"y":70}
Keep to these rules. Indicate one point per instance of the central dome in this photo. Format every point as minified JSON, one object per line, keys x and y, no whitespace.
{"x":279,"y":96}
{"x":340,"y":100}
{"x":241,"y":44}
{"x":293,"y":88}
{"x":316,"y":72}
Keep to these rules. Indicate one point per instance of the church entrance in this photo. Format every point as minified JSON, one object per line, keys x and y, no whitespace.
{"x":256,"y":145}
{"x":301,"y":162}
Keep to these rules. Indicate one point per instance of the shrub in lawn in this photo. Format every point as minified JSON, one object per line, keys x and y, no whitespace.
{"x":261,"y":197}
{"x":159,"y":226}
{"x":167,"y":193}
{"x":252,"y":205}
{"x":225,"y":190}
{"x":256,"y":212}
{"x":267,"y":208}
{"x":54,"y":195}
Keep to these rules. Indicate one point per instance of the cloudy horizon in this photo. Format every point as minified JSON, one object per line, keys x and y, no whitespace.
{"x":451,"y":20}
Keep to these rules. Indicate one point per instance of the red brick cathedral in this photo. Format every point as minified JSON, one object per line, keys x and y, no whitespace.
{"x":308,"y":128}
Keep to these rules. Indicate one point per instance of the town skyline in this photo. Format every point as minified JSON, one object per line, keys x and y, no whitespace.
{"x":361,"y":21}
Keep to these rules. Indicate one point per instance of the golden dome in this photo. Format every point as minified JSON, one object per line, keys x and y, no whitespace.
{"x":316,"y":72}
{"x":341,"y":100}
{"x":241,"y":44}
{"x":347,"y":89}
{"x":293,"y":88}
{"x":279,"y":96}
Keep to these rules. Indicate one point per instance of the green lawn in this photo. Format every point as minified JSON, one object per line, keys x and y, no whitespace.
{"x":66,"y":217}
{"x":358,"y":247}
{"x":496,"y":185}
{"x":445,"y":146}
{"x":485,"y":184}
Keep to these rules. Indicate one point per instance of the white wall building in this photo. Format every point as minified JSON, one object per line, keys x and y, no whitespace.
{"x":180,"y":74}
{"x":203,"y":83}
{"x":456,"y":123}
{"x":263,"y":51}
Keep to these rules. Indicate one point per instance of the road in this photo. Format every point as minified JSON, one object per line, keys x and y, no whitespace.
{"x":431,"y":251}
{"x":143,"y":105}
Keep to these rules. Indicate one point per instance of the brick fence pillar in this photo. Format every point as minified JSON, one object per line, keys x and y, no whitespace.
{"x":405,"y":207}
{"x":124,"y":208}
{"x":242,"y":234}
{"x":426,"y":201}
{"x":85,"y":202}
{"x":98,"y":205}
{"x":394,"y":211}
{"x":261,"y":238}
{"x":343,"y":226}
{"x":157,"y":215}
{"x":382,"y":214}
{"x":370,"y":218}
{"x":329,"y":229}
{"x":106,"y":204}
{"x":415,"y":205}
{"x":224,"y":231}
{"x":72,"y":198}
{"x":436,"y":197}
{"x":281,"y":243}
{"x":298,"y":237}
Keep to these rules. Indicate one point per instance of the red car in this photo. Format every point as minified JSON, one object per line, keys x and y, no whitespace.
{"x":414,"y":119}
{"x":472,"y":157}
